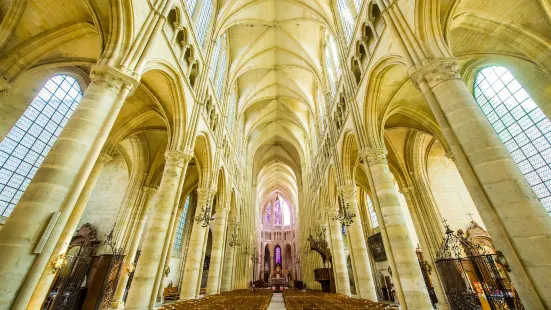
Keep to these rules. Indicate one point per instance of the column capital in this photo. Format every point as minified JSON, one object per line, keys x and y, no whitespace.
{"x":435,"y":72}
{"x":348,"y":191}
{"x":374,"y":156}
{"x":177,"y":158}
{"x":149,"y":190}
{"x":104,"y":158}
{"x":113,"y":78}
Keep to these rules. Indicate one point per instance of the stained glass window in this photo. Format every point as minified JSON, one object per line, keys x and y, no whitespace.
{"x":286,"y":214}
{"x":520,"y":124}
{"x":268,"y":215}
{"x":372,"y":213}
{"x":30,"y":140}
{"x":278,"y":255}
{"x":180,"y":229}
{"x":277,"y":212}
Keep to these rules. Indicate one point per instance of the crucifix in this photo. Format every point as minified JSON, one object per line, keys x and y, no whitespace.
{"x":471,"y":216}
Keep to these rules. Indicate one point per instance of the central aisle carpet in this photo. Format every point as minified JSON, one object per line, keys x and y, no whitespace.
{"x":277,"y":302}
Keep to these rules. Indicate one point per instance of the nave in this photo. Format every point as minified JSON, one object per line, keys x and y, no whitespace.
{"x":375,"y":153}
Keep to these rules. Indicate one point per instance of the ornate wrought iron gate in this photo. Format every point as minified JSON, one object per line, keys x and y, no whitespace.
{"x":474,"y":278}
{"x":111,"y":281}
{"x":72,"y":277}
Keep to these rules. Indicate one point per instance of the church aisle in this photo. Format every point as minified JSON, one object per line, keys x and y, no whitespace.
{"x":277,"y":302}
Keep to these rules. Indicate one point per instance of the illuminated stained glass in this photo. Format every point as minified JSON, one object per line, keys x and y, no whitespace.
{"x":30,"y":139}
{"x":278,"y":255}
{"x":520,"y":124}
{"x":277,"y":213}
{"x":268,"y":215}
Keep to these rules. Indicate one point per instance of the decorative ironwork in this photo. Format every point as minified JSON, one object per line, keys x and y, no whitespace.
{"x":344,"y":215}
{"x":234,"y":241}
{"x":205,"y":216}
{"x":472,"y":275}
{"x":66,"y":290}
{"x":111,"y":281}
{"x":113,"y":274}
{"x":320,"y":245}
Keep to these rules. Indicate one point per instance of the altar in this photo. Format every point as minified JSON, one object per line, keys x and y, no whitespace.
{"x":278,"y":281}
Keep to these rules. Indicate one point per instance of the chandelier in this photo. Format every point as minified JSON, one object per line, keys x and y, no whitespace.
{"x":344,"y":215}
{"x":234,"y":241}
{"x":255,"y":256}
{"x":205,"y":216}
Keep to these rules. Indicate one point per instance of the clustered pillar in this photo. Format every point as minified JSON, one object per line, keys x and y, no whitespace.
{"x":152,"y":257}
{"x":57,"y":185}
{"x":408,"y":279}
{"x":515,"y":218}
{"x":364,"y":280}
{"x":149,"y":195}
{"x":217,"y":250}
{"x":194,"y":260}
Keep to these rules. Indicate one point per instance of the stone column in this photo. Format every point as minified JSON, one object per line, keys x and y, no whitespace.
{"x":515,"y":218}
{"x":153,"y":251}
{"x":149,"y":194}
{"x":227,"y":271}
{"x":406,"y":271}
{"x":42,"y":287}
{"x":217,"y":250}
{"x":365,"y":286}
{"x":193,"y":266}
{"x":58,"y":183}
{"x":427,"y":251}
{"x":342,"y":280}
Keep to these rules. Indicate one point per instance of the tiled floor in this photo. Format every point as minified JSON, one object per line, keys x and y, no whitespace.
{"x":277,"y":302}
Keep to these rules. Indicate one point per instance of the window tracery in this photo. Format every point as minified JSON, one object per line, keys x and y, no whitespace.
{"x":30,"y":140}
{"x":520,"y":124}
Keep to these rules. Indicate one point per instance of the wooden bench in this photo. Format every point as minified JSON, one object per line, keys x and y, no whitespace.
{"x":171,"y":293}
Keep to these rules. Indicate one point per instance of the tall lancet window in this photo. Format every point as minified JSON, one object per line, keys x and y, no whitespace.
{"x":278,"y":255}
{"x":268,"y":215}
{"x":372,"y":213}
{"x":520,"y":124}
{"x":30,"y":140}
{"x":203,"y":21}
{"x":286,"y":213}
{"x":181,"y":224}
{"x":277,"y":212}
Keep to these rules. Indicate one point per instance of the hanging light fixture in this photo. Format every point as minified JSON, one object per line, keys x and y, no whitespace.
{"x":205,"y":216}
{"x":344,"y":215}
{"x":234,"y":241}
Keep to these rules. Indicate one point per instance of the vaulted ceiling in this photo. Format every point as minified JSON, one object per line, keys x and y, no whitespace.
{"x":276,"y":52}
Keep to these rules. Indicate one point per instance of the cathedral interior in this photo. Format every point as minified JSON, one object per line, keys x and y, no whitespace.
{"x":275,"y":154}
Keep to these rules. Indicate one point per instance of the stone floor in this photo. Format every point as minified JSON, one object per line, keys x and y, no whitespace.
{"x":277,"y":302}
